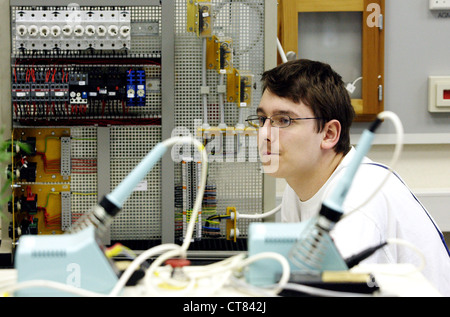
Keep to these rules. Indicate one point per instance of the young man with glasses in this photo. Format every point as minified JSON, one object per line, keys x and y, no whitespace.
{"x":304,"y":120}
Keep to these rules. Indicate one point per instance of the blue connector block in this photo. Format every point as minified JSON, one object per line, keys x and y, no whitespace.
{"x":140,"y":87}
{"x":131,"y":89}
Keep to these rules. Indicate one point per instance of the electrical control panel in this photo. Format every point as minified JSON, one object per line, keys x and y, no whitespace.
{"x":74,"y":69}
{"x":94,"y":87}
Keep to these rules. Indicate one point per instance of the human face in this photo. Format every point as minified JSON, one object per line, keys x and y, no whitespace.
{"x":292,"y":151}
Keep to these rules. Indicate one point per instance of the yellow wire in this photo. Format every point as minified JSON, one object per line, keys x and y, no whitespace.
{"x":48,"y":196}
{"x":46,"y":139}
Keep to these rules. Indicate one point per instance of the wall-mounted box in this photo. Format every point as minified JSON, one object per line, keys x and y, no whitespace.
{"x":439,"y":93}
{"x":439,"y":4}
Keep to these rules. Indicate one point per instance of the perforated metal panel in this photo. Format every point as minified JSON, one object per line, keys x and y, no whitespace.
{"x":239,"y":184}
{"x":140,"y":217}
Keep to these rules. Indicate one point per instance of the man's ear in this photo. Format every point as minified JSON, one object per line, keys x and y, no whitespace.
{"x":331,"y":133}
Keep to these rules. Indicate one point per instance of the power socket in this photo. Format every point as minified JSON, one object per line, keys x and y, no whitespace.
{"x":439,"y":4}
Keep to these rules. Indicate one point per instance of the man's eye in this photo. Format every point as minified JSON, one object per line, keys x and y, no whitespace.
{"x":283,"y":120}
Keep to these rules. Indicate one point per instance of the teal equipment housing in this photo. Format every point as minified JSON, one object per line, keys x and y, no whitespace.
{"x":73,"y":259}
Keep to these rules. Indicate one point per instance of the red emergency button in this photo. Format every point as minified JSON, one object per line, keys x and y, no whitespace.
{"x":446,"y":94}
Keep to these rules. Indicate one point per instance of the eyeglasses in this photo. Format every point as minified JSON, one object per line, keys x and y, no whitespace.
{"x":276,"y":121}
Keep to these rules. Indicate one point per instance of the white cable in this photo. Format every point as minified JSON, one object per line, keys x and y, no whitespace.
{"x":7,"y":280}
{"x":397,"y":151}
{"x":217,"y":267}
{"x":169,"y":250}
{"x":51,"y":285}
{"x":356,"y":80}
{"x":181,"y":252}
{"x":137,"y":262}
{"x":415,"y":249}
{"x":213,"y":275}
{"x":281,"y":51}
{"x":244,"y":287}
{"x":351,"y":86}
{"x":259,"y":216}
{"x":207,"y":280}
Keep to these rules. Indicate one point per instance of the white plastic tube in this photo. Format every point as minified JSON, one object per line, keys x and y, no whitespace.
{"x":281,"y":51}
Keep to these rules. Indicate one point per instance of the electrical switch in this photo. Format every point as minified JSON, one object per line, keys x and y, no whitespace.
{"x":439,"y":94}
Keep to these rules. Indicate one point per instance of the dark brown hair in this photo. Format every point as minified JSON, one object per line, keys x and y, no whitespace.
{"x":319,"y":87}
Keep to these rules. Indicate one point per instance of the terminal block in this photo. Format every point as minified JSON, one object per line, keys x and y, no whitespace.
{"x":136,"y":91}
{"x":246,"y":83}
{"x":65,"y":157}
{"x":239,"y":88}
{"x":220,"y":54}
{"x":66,"y":212}
{"x":200,"y":18}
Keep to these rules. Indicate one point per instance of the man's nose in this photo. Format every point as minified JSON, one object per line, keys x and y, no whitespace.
{"x":267,"y":132}
{"x":264,"y":131}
